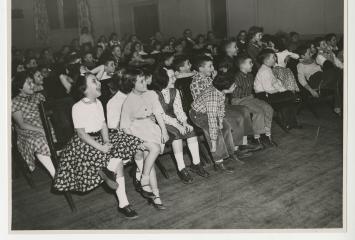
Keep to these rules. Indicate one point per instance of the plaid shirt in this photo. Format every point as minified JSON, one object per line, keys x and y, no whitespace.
{"x":28,"y":106}
{"x":244,"y":85}
{"x":211,"y":102}
{"x":199,"y":84}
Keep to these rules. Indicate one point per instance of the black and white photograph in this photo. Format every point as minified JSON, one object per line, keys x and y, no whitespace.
{"x":185,"y":115}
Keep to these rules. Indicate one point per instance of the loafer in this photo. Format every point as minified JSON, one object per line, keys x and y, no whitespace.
{"x":109,"y":177}
{"x":158,"y":206}
{"x":185,"y":176}
{"x":236,"y":160}
{"x":220,"y":167}
{"x":199,"y":170}
{"x":267,"y":141}
{"x":240,"y":154}
{"x":128,"y":212}
{"x":250,"y":147}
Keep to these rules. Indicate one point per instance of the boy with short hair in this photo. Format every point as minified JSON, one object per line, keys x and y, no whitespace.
{"x":243,"y":95}
{"x":238,"y":116}
{"x":207,"y":112}
{"x":267,"y":87}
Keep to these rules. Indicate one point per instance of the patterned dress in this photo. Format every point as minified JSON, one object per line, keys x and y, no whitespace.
{"x":80,"y":162}
{"x":30,"y":142}
{"x":286,"y":77}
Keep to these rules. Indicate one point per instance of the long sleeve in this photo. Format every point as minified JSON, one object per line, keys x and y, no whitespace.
{"x":212,"y":114}
{"x":178,"y":109}
{"x":126,"y":118}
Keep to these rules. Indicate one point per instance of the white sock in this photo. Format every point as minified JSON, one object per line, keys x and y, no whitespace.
{"x":180,"y":160}
{"x":236,"y":148}
{"x":113,"y":164}
{"x":257,"y":136}
{"x":139,"y":170}
{"x":192,"y":143}
{"x":219,"y":161}
{"x":267,"y":131}
{"x":245,"y":140}
{"x":46,"y":161}
{"x":121,"y":192}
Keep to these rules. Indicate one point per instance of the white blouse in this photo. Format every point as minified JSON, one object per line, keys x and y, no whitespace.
{"x":114,"y":108}
{"x":265,"y":81}
{"x":88,"y":115}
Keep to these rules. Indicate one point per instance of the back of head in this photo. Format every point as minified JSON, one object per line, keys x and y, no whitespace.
{"x":160,"y":79}
{"x":179,"y":61}
{"x":264,"y":54}
{"x":223,"y":81}
{"x":200,"y":61}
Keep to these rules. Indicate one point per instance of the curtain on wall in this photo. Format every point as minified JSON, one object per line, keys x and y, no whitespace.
{"x":84,"y":17}
{"x":41,"y":22}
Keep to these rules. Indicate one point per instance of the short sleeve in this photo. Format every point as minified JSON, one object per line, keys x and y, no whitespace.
{"x":79,"y":117}
{"x":15,"y":106}
{"x":101,"y":113}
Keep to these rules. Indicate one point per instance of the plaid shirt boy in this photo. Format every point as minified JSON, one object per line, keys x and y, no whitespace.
{"x":211,"y":102}
{"x":199,"y":84}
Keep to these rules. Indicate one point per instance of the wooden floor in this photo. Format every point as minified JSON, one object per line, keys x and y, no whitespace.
{"x":297,"y":185}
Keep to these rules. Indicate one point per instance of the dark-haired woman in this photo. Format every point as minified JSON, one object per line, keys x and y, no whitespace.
{"x":176,"y":123}
{"x":94,"y":154}
{"x":31,"y":141}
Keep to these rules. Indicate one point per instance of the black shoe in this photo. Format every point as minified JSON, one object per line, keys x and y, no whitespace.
{"x":242,"y":154}
{"x":257,"y":141}
{"x":250,"y":147}
{"x":235,"y":159}
{"x":109,"y":177}
{"x":185,"y":176}
{"x":267,"y":141}
{"x":199,"y":170}
{"x":220,"y":167}
{"x":158,"y":206}
{"x":139,"y":188}
{"x":128,"y":212}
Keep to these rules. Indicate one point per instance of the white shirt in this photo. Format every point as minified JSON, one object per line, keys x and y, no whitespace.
{"x":305,"y":71}
{"x":114,"y":108}
{"x":89,"y":116}
{"x":265,"y":81}
{"x":281,"y":56}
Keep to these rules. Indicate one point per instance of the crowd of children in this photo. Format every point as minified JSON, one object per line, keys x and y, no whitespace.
{"x":126,"y":99}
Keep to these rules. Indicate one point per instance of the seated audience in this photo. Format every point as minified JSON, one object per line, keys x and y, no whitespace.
{"x":176,"y":123}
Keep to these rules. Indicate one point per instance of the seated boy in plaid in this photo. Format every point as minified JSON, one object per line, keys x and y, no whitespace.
{"x":207,"y":112}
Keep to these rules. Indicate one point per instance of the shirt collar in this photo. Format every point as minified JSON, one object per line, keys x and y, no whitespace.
{"x":87,"y":100}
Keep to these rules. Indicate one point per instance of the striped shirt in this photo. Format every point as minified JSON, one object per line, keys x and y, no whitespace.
{"x":244,"y":85}
{"x":211,"y":102}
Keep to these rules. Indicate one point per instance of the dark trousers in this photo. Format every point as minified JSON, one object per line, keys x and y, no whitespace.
{"x":284,"y":103}
{"x":224,"y":143}
{"x":330,"y":79}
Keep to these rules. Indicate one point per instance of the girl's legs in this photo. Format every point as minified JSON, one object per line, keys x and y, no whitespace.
{"x":121,"y":190}
{"x":192,"y":144}
{"x":46,"y":161}
{"x":154,"y":184}
{"x":139,"y":162}
{"x":178,"y":154}
{"x":149,"y":159}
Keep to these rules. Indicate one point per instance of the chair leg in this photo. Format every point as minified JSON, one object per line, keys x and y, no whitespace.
{"x":70,"y":201}
{"x":162,"y":169}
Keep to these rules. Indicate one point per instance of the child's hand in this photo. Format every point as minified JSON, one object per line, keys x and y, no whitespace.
{"x":182,"y":130}
{"x":106,"y":148}
{"x":314,"y":93}
{"x":188,"y":127}
{"x":165,"y":136}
